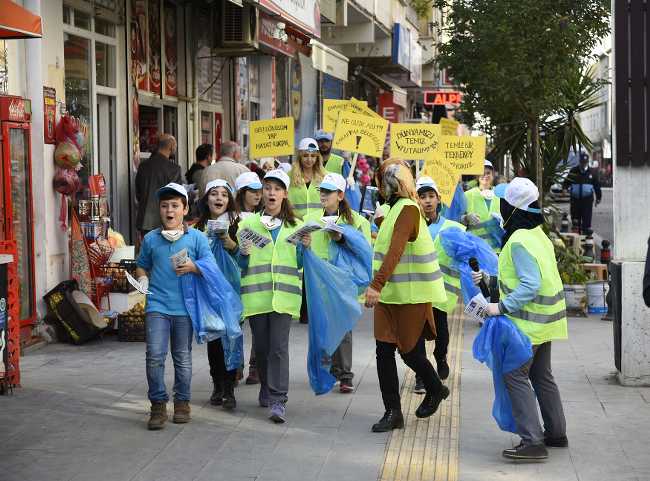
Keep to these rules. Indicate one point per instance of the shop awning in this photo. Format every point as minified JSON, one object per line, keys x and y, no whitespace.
{"x":18,"y":22}
{"x":329,"y":61}
{"x":399,"y":94}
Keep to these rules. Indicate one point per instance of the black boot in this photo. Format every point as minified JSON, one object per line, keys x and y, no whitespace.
{"x":431,"y":402}
{"x":443,"y":368}
{"x":217,"y":393}
{"x":229,"y":401}
{"x":392,"y":419}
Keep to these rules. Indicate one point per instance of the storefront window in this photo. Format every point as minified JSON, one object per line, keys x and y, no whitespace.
{"x":105,"y":64}
{"x":105,"y":28}
{"x":78,"y":89}
{"x":81,"y":20}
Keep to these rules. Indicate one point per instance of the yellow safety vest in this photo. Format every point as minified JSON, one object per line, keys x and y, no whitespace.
{"x":334,"y":164}
{"x":476,"y":205}
{"x":271,"y":283}
{"x":450,"y":275}
{"x":417,"y":277}
{"x":320,"y":240}
{"x":544,"y":318}
{"x":305,"y":200}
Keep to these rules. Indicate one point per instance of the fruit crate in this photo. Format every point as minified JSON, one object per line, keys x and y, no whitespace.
{"x":131,"y":328}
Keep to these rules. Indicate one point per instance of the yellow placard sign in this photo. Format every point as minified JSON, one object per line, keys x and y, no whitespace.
{"x":445,"y":178}
{"x":414,"y":141}
{"x":448,"y":127}
{"x":361,"y":107}
{"x":331,"y":109}
{"x":464,"y":153}
{"x":360,"y":133}
{"x":271,"y":138}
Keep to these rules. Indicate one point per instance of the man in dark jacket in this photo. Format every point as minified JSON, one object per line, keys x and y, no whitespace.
{"x":204,"y":153}
{"x":154,"y":173}
{"x":583,"y":185}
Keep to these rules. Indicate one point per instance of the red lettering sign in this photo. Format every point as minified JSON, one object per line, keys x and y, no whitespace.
{"x":442,"y":97}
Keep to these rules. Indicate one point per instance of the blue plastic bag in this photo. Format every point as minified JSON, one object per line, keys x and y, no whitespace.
{"x":461,"y":246}
{"x":214,"y":307}
{"x":333,"y":311}
{"x":458,"y":205}
{"x":503,"y":348}
{"x":354,"y":256}
{"x":495,"y":231}
{"x":352,"y":194}
{"x":226,"y":263}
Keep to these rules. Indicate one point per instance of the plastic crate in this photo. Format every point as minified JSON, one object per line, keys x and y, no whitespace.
{"x":131,"y":328}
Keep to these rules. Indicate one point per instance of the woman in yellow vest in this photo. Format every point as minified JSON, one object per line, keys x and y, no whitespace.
{"x":532,"y":297}
{"x":430,"y":204}
{"x":337,"y":210}
{"x":481,"y":206}
{"x":407,"y":280}
{"x":306,"y":175}
{"x":271,"y":289}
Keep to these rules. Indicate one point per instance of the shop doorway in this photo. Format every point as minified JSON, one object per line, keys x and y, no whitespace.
{"x":106,"y":150}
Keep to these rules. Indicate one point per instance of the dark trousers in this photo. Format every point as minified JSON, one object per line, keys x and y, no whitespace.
{"x":220,"y":376}
{"x":581,"y":210}
{"x":442,"y":334}
{"x":387,"y":371}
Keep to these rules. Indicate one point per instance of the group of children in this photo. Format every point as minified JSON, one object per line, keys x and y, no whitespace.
{"x":269,"y":281}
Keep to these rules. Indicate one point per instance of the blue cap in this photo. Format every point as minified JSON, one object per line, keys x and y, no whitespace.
{"x":322,"y":135}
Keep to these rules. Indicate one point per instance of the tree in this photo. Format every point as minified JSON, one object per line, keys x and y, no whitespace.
{"x":511,"y":56}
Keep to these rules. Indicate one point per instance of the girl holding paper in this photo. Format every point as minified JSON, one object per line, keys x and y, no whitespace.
{"x":218,"y":220}
{"x":271,"y":289}
{"x":336,"y":210}
{"x":306,"y":175}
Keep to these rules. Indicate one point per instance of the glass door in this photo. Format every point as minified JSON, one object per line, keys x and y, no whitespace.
{"x":18,"y":215}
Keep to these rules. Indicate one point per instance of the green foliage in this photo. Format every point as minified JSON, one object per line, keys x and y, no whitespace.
{"x":569,"y":264}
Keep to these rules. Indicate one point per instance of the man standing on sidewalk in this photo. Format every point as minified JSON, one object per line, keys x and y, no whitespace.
{"x":583,"y":184}
{"x":228,"y":167}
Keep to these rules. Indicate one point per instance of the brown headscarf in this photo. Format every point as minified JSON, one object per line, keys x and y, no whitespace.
{"x":394,"y":179}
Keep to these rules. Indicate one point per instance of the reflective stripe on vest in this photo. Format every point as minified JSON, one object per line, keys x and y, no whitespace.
{"x":270,"y":286}
{"x":417,"y":278}
{"x":543,"y":318}
{"x":312,"y":205}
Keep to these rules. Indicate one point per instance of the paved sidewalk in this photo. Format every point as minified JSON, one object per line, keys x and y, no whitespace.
{"x":608,"y":425}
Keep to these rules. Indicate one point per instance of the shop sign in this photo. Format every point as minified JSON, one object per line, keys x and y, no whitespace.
{"x":303,"y":13}
{"x":139,"y":43}
{"x":154,"y":48}
{"x":272,"y":138}
{"x":49,"y":114}
{"x":14,"y":108}
{"x":442,"y":97}
{"x":266,"y":31}
{"x":360,"y":133}
{"x":388,"y":109}
{"x":401,"y":48}
{"x":171,"y":57}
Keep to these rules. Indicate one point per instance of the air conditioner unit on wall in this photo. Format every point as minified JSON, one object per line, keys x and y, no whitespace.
{"x":237,"y":28}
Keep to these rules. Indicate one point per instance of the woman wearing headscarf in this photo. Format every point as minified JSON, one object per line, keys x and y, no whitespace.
{"x":532,"y":297}
{"x":407,"y":279}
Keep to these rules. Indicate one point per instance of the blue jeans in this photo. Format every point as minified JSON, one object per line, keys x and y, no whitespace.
{"x":161,"y":328}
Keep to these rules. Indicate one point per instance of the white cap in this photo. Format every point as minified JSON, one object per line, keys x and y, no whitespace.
{"x":333,"y":182}
{"x":172,"y":187}
{"x":279,"y":174}
{"x":218,"y":183}
{"x":487,"y":163}
{"x":248,"y":179}
{"x":286,"y":166}
{"x":520,"y":192}
{"x":308,"y":144}
{"x":426,"y":182}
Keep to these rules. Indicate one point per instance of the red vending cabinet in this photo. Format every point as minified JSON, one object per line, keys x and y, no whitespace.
{"x":16,"y":209}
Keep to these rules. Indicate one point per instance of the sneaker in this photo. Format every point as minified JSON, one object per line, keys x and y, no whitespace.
{"x":252,"y":378}
{"x":277,"y":413}
{"x":443,"y":368}
{"x":346,"y":386}
{"x":530,"y":452}
{"x":419,"y":386}
{"x":229,"y":401}
{"x":559,"y":442}
{"x":431,"y":402}
{"x":263,"y":397}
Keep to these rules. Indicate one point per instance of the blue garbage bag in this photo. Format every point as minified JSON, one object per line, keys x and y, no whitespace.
{"x":503,"y":348}
{"x":214,"y":307}
{"x":333,"y":311}
{"x":458,"y":205}
{"x":352,"y":194}
{"x":353,"y":256}
{"x":227,"y":264}
{"x":461,"y":246}
{"x":495,"y":231}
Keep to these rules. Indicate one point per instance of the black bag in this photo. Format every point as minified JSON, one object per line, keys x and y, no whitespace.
{"x":71,"y":322}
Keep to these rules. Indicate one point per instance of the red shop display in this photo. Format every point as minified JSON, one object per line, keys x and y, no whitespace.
{"x":16,"y":218}
{"x":49,"y":112}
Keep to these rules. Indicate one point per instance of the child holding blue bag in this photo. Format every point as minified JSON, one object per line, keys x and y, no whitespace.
{"x":219,"y":220}
{"x":337,"y":210}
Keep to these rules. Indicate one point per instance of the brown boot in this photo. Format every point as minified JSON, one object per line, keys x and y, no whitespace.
{"x":181,"y":412}
{"x":158,"y":416}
